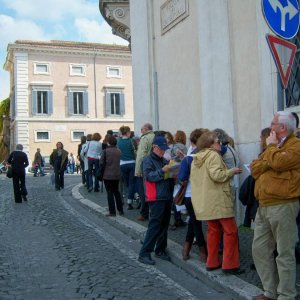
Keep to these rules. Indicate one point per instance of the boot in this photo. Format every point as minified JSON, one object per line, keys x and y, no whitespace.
{"x":186,"y":250}
{"x":203,"y":253}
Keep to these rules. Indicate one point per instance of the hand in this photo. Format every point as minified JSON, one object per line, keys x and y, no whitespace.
{"x":237,"y":170}
{"x":272,"y":139}
{"x":166,"y":168}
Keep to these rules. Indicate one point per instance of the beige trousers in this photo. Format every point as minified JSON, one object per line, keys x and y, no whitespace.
{"x":275,"y":228}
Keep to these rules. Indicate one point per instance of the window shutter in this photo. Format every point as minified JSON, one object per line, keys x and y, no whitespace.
{"x":85,"y":103}
{"x":34,"y":101}
{"x":122,"y":104}
{"x":107,"y":104}
{"x":70,"y":103}
{"x":50,"y":102}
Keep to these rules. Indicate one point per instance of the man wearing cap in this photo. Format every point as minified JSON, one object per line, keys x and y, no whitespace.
{"x":158,"y":195}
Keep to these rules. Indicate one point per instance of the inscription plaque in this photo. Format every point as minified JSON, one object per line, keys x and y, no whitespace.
{"x":172,"y":12}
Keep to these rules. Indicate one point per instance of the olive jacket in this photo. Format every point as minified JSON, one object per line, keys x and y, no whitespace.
{"x":210,"y":184}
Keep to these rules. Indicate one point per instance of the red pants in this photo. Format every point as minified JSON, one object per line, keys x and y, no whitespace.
{"x":231,"y":257}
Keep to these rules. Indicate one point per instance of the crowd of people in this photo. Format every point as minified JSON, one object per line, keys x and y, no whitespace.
{"x":158,"y":165}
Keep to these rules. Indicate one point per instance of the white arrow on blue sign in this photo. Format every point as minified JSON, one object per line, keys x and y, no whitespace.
{"x":282,"y":16}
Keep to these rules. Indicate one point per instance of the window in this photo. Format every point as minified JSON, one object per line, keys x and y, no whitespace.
{"x":41,"y":68}
{"x":114,"y":103}
{"x":42,"y":101}
{"x":78,"y":102}
{"x":77,"y":70}
{"x":77,"y":134}
{"x":113,"y":72}
{"x":42,"y":136}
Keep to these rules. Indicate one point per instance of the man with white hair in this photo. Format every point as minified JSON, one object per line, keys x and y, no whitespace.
{"x":277,"y":188}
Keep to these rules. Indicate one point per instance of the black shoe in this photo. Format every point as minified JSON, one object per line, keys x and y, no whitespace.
{"x":139,"y":206}
{"x":213,"y":268}
{"x":24,"y":197}
{"x":89,"y":190}
{"x":235,"y":271}
{"x":121,"y":213}
{"x":163,"y":255}
{"x":130,"y":207}
{"x":147,"y":260}
{"x":57,"y":189}
{"x":96,"y":190}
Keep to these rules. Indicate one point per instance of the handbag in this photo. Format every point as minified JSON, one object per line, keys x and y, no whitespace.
{"x":9,"y":172}
{"x":100,"y":172}
{"x":179,"y":197}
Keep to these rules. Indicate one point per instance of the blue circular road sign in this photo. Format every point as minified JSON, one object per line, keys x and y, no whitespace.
{"x":282,"y":17}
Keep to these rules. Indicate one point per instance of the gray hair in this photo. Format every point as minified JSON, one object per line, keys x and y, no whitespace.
{"x":19,"y":147}
{"x":222,"y":135}
{"x":287,"y":119}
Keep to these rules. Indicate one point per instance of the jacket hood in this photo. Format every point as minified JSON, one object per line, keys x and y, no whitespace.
{"x":200,"y":157}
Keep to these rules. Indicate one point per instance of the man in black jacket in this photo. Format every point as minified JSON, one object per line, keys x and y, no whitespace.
{"x":19,"y":161}
{"x":158,"y":194}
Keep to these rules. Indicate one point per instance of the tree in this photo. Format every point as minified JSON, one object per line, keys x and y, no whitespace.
{"x":4,"y":111}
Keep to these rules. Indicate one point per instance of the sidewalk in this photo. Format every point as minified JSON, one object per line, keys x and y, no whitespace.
{"x":243,"y":286}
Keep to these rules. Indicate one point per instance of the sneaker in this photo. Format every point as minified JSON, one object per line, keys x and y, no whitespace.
{"x":24,"y":197}
{"x":147,"y":260}
{"x":163,"y":255}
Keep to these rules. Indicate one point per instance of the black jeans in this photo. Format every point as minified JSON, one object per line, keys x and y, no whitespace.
{"x":194,"y":226}
{"x":19,"y":186}
{"x":141,"y":190}
{"x":157,"y":232}
{"x":59,"y":178}
{"x":113,"y":193}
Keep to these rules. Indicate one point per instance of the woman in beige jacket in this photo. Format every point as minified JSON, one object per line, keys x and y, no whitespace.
{"x":212,"y":202}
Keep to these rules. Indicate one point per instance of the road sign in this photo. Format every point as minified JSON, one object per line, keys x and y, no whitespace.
{"x":282,"y":16}
{"x":284,"y":55}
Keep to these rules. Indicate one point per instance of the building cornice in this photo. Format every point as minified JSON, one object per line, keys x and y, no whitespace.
{"x":117,"y":15}
{"x":66,"y":48}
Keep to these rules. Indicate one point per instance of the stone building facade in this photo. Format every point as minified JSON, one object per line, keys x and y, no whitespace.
{"x":62,"y":90}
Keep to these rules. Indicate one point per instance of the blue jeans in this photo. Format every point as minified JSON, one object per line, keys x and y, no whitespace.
{"x":157,"y":233}
{"x":127,"y":171}
{"x":93,"y":166}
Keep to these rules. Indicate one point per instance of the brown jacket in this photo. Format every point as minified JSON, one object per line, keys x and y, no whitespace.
{"x":277,"y":173}
{"x":112,"y":158}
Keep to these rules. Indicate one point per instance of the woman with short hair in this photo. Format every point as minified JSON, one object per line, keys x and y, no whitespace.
{"x":212,"y":202}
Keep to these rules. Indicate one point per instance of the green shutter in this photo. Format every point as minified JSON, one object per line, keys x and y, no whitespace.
{"x":107,"y":104}
{"x":85,"y":103}
{"x":34,"y":101}
{"x":122,"y":104}
{"x":70,"y":103}
{"x":50,"y":102}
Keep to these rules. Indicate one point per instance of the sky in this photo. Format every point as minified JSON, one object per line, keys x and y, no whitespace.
{"x":68,"y":20}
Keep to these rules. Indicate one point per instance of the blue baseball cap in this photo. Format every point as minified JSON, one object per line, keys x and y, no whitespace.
{"x":160,"y":142}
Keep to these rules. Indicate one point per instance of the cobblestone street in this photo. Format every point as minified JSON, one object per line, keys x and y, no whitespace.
{"x":54,"y":248}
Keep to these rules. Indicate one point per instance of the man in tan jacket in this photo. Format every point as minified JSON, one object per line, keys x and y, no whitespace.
{"x":144,"y":149}
{"x":277,"y":188}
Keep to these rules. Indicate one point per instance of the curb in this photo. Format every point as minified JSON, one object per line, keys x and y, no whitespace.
{"x":231,"y":285}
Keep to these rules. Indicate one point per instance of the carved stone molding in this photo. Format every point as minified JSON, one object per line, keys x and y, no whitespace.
{"x":117,"y":15}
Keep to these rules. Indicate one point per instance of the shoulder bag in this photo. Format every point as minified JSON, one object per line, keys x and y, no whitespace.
{"x":100,"y":172}
{"x":179,"y":197}
{"x":9,"y":172}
